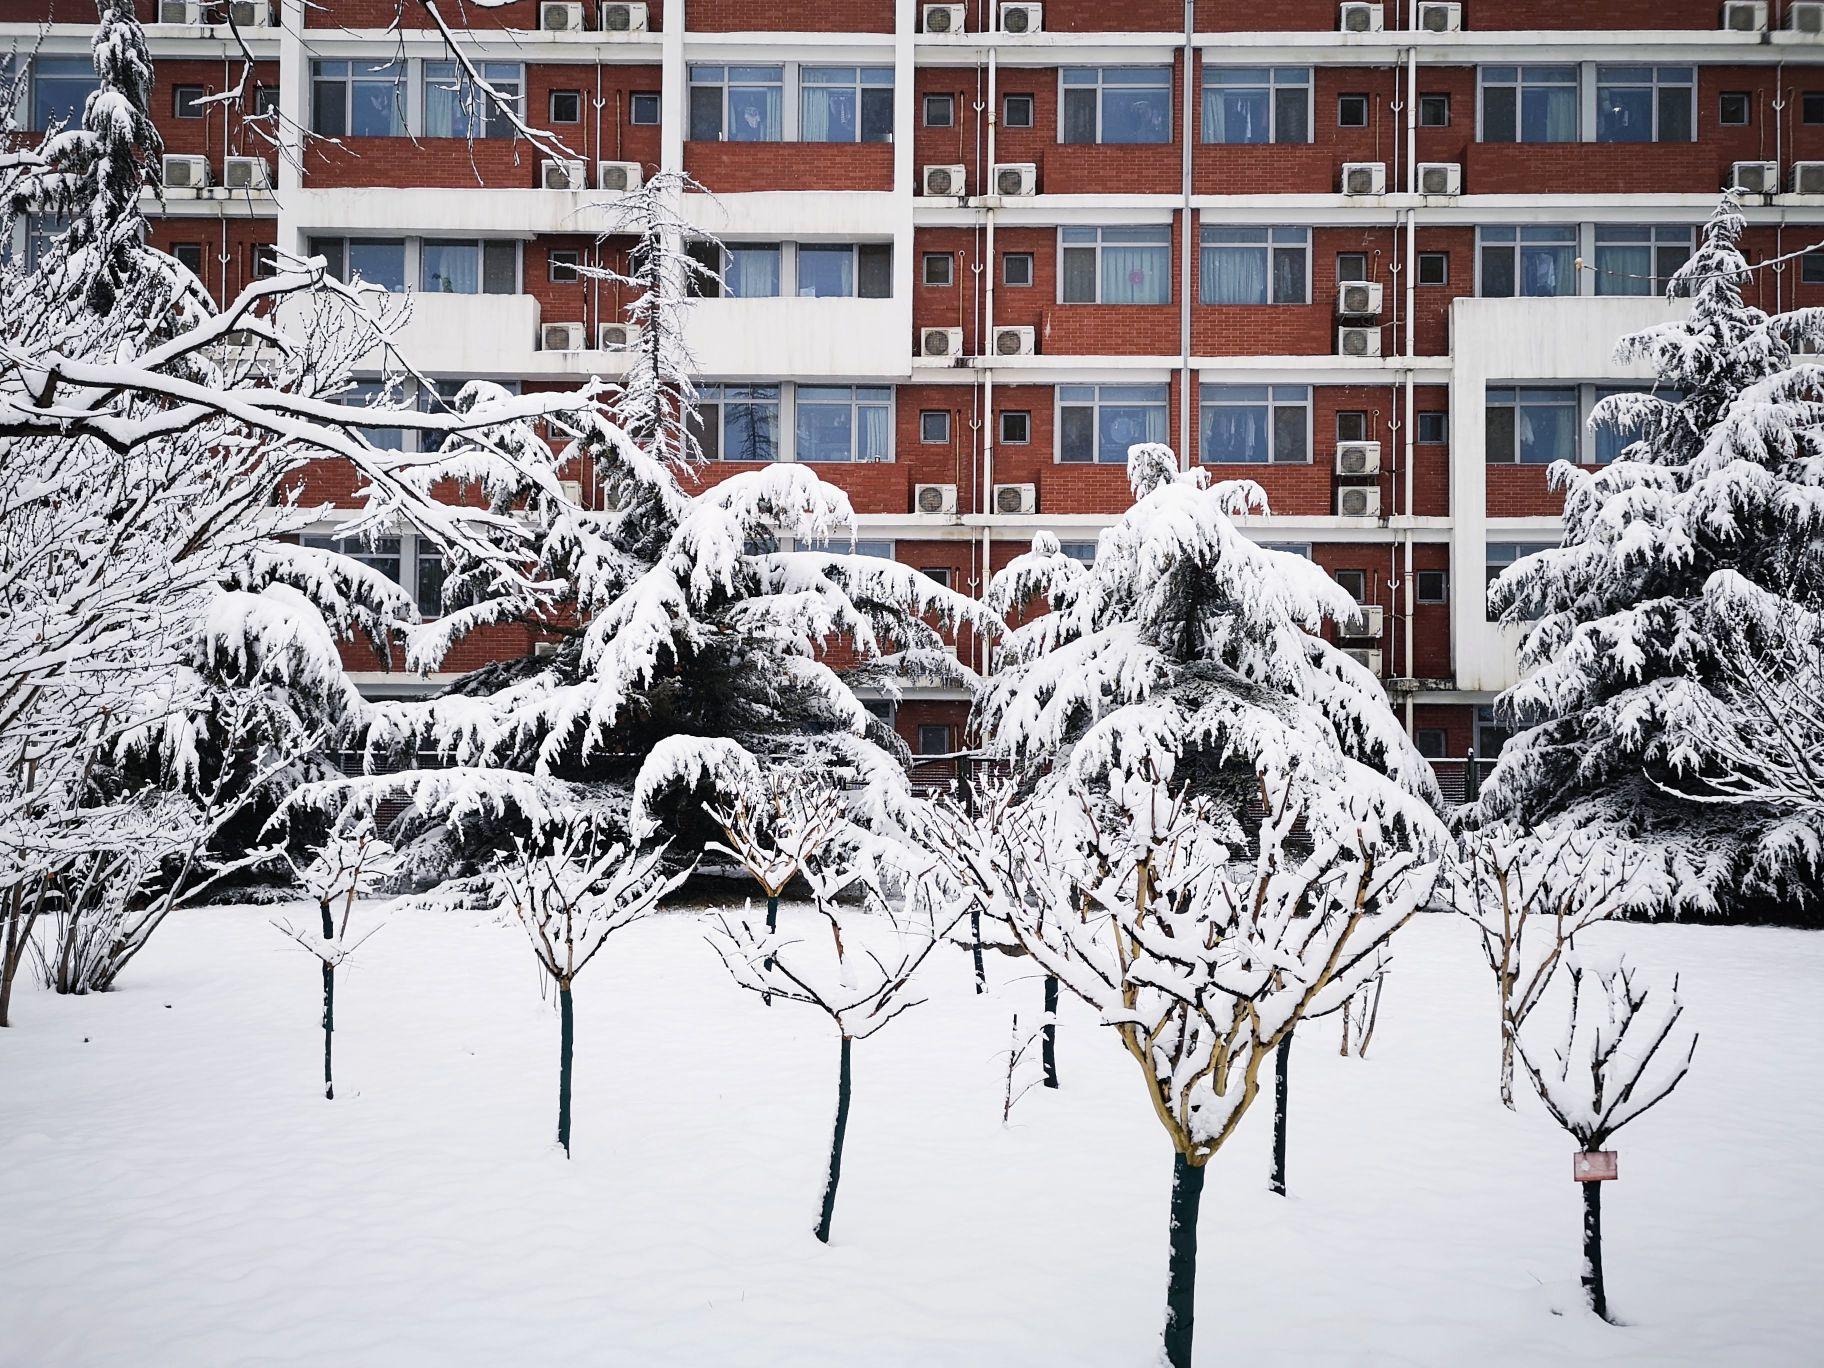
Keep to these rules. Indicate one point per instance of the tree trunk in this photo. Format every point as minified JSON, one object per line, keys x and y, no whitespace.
{"x":1048,"y":1033}
{"x":843,"y":1076}
{"x":1507,"y":1067}
{"x":1282,"y":1063}
{"x":1181,"y":1279}
{"x":11,"y":952}
{"x":772,"y":925}
{"x":1592,"y":1249}
{"x":566,"y":1046}
{"x":329,"y":1004}
{"x":975,"y":936}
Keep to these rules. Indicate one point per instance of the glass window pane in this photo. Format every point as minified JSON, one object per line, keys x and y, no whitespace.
{"x":829,"y":115}
{"x":1675,"y":114}
{"x":1291,"y":116}
{"x":328,"y":109}
{"x":1136,"y":275}
{"x":877,"y":115}
{"x":1498,"y":272}
{"x":451,"y":267}
{"x":1079,"y":275}
{"x":875,"y":270}
{"x":1234,"y":275}
{"x":1077,"y":433}
{"x":754,"y":113}
{"x":500,"y":268}
{"x":330,"y":249}
{"x":1498,"y":121}
{"x":1289,"y":276}
{"x":825,"y":431}
{"x":1234,"y":433}
{"x":752,"y":271}
{"x":1548,"y":272}
{"x":1289,"y":433}
{"x":378,"y":262}
{"x":1624,"y":269}
{"x":1079,"y":116}
{"x":750,"y":430}
{"x":1546,"y":432}
{"x":705,"y":113}
{"x":1624,"y":115}
{"x":826,"y":272}
{"x":1136,"y":116}
{"x":1237,"y":116}
{"x":1498,"y":434}
{"x":1548,"y":115}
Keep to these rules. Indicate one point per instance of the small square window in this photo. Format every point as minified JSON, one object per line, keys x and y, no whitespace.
{"x":1733,"y":108}
{"x":1016,"y":269}
{"x":265,"y":101}
{"x":1351,"y":266}
{"x":265,"y":260}
{"x":1811,"y":268}
{"x":1434,"y":268}
{"x":1016,"y":427}
{"x":941,"y":574}
{"x":1433,"y":586}
{"x":933,"y":739}
{"x":1431,"y":742}
{"x":566,"y":106}
{"x":187,"y":102}
{"x":1351,"y":426}
{"x":1352,"y":111}
{"x":190,"y":256}
{"x":643,"y":108}
{"x":934,"y":426}
{"x":1811,"y":107}
{"x":1352,"y":582}
{"x":1434,"y":428}
{"x":940,"y":111}
{"x":562,"y":269}
{"x":1434,"y":111}
{"x":939,"y":268}
{"x":1017,"y":111}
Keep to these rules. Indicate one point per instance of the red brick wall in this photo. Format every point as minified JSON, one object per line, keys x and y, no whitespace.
{"x":1305,"y":168}
{"x":499,"y":14}
{"x":791,"y":16}
{"x":732,"y":167}
{"x":1145,"y":168}
{"x":205,"y":136}
{"x":227,"y":262}
{"x":1521,"y":491}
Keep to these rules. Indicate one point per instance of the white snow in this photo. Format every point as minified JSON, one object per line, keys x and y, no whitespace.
{"x":174,"y":1190}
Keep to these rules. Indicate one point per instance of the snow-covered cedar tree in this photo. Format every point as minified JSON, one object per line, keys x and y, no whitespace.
{"x":1204,"y":947}
{"x":1529,"y":893}
{"x":165,"y":639}
{"x":1620,"y":1051}
{"x":681,"y":607}
{"x":854,"y":958}
{"x":350,"y":862}
{"x":1620,"y":700}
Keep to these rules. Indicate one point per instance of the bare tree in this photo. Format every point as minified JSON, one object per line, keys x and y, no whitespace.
{"x":1621,"y":1053}
{"x":776,"y":829}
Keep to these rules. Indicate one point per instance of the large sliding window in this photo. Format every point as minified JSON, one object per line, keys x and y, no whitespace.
{"x":456,"y":107}
{"x":846,"y":270}
{"x":61,"y":87}
{"x":1639,"y":259}
{"x":1098,"y":423}
{"x":1529,"y":104}
{"x":1255,"y":266}
{"x":357,"y":99}
{"x":376,"y":261}
{"x":1257,"y":105}
{"x":845,"y":104}
{"x":1537,"y":261}
{"x":1255,"y":424}
{"x":1532,"y":425}
{"x":844,"y":423}
{"x":738,"y":422}
{"x":1116,"y":265}
{"x":1117,"y":105}
{"x":490,"y":266}
{"x":1499,"y":556}
{"x":737,"y":103}
{"x":1646,"y":104}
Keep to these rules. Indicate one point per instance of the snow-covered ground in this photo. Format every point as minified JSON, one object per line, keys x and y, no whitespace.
{"x":175,"y":1190}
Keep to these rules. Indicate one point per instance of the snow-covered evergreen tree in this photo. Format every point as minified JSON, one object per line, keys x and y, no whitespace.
{"x":1621,"y":695}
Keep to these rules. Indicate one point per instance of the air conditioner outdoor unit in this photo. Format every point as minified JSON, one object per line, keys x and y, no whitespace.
{"x":940,"y":341}
{"x":1358,"y":298}
{"x":1364,"y":178}
{"x":617,"y":17}
{"x":1360,"y":18}
{"x":1358,"y":501}
{"x":1358,"y":341}
{"x":618,"y":337}
{"x":1436,"y":17}
{"x":945,"y":18}
{"x":1440,"y":178}
{"x":561,"y":337}
{"x":180,"y":12}
{"x":1808,"y":178}
{"x":1755,"y":177}
{"x":560,"y":16}
{"x":249,"y":14}
{"x":1016,"y":498}
{"x":184,"y":172}
{"x":613,"y":175}
{"x":1358,"y":458}
{"x":1745,"y":16}
{"x":1368,"y":660}
{"x":560,"y":174}
{"x":1806,"y":17}
{"x":246,"y":173}
{"x":934,"y":498}
{"x":1367,"y":621}
{"x":1016,"y":178}
{"x":943,"y":180}
{"x":1015,"y":342}
{"x":1022,"y":18}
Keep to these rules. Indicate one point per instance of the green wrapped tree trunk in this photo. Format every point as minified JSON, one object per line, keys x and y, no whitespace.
{"x":567,"y":1044}
{"x":1181,"y":1278}
{"x":1283,"y":1063}
{"x":1048,"y":1033}
{"x":843,"y":1075}
{"x":329,"y":1005}
{"x":1592,"y":1249}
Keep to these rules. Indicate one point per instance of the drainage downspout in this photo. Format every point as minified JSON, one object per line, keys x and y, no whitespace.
{"x":1411,"y":434}
{"x":1186,"y":453}
{"x":985,"y":344}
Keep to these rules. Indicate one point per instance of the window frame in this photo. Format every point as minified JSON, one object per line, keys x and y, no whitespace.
{"x":1442,"y":280}
{"x":1487,"y":79}
{"x":1025,"y":418}
{"x":1270,"y":79}
{"x":343,"y":267}
{"x":1656,"y":82}
{"x":1101,"y":86}
{"x":1442,"y":593}
{"x":1007,"y":258}
{"x":855,"y":250}
{"x":356,"y":72}
{"x":1367,"y":106}
{"x":929,"y":259}
{"x":1276,"y":241}
{"x":68,"y":70}
{"x":1810,"y":102}
{"x":1104,"y":396}
{"x":193,"y":104}
{"x":1656,"y":238}
{"x":1496,"y":557}
{"x":859,"y":85}
{"x":572,"y":267}
{"x":860,"y":398}
{"x":924,"y":432}
{"x":469,"y":103}
{"x":551,"y":99}
{"x":1723,"y":97}
{"x":1071,"y":239}
{"x":727,"y":86}
{"x":1442,"y":420}
{"x":720,"y":399}
{"x":1526,"y":235}
{"x":481,"y":263}
{"x":948,"y":101}
{"x":1525,"y":397}
{"x":1031,"y":110}
{"x":1434,"y":98}
{"x":1272,"y":399}
{"x":654,"y":100}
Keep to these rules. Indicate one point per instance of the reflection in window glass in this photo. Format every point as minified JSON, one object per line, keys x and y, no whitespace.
{"x":1254,"y":424}
{"x":840,"y":423}
{"x":1098,"y":423}
{"x":1257,"y":105}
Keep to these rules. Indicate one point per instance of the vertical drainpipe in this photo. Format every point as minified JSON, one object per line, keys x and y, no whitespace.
{"x":985,"y":343}
{"x":1186,"y":452}
{"x":1410,"y":434}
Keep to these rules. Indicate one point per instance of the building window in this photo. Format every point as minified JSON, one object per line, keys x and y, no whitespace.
{"x":1529,"y":104}
{"x":1434,"y":428}
{"x":189,"y":255}
{"x":1255,"y":425}
{"x":1351,"y":425}
{"x":940,"y":111}
{"x":1016,"y":427}
{"x":939,"y":269}
{"x":415,"y":566}
{"x":1733,"y":108}
{"x":61,"y":87}
{"x":455,"y":107}
{"x":645,"y":107}
{"x":357,"y":99}
{"x":1117,"y":105}
{"x":376,"y":261}
{"x":1084,"y":553}
{"x":1017,"y":111}
{"x":938,"y":574}
{"x":566,"y":106}
{"x":187,"y":102}
{"x":1257,"y":105}
{"x":561,"y":267}
{"x":1811,"y":268}
{"x":1255,"y":266}
{"x":1100,"y":422}
{"x":1646,"y":104}
{"x":738,"y":422}
{"x":1434,"y":110}
{"x":1434,"y":268}
{"x":737,"y":103}
{"x":861,"y":270}
{"x":934,"y":427}
{"x":740,"y":270}
{"x":374,"y":395}
{"x":1500,"y":555}
{"x":839,"y":423}
{"x":1353,"y":583}
{"x":1116,"y":265}
{"x":1811,"y":107}
{"x":468,"y":267}
{"x":1531,"y":426}
{"x":933,"y":738}
{"x":1430,"y":742}
{"x":1432,"y":586}
{"x":845,"y":104}
{"x":1639,"y":260}
{"x":1535,"y":262}
{"x":1351,"y":266}
{"x":1352,"y":111}
{"x":1609,"y":441}
{"x":1016,"y":269}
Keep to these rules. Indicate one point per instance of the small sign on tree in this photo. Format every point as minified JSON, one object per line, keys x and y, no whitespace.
{"x":1594,"y":1166}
